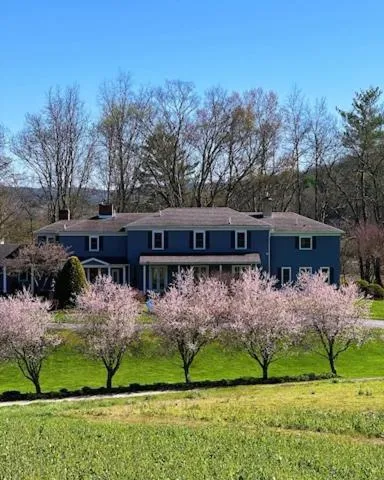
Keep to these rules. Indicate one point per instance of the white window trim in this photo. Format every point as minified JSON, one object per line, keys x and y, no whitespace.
{"x":245,"y":240}
{"x":154,"y":232}
{"x":242,"y":266}
{"x":282,"y":275}
{"x":90,"y":243}
{"x":328,"y":272}
{"x":195,"y":232}
{"x":306,"y":236}
{"x":307,"y":270}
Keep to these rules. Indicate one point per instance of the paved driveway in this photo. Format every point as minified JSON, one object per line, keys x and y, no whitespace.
{"x":374,"y":323}
{"x":76,"y":326}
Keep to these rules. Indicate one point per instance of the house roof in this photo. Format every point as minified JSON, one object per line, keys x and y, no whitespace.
{"x":6,"y":249}
{"x":197,"y":217}
{"x":290,"y":222}
{"x":94,"y":224}
{"x":279,"y":222}
{"x":240,"y":259}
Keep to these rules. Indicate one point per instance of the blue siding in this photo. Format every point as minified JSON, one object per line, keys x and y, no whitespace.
{"x":326,"y":254}
{"x":179,"y":243}
{"x":113,"y":246}
{"x":283,"y":250}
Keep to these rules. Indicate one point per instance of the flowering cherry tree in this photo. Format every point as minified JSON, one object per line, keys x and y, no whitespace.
{"x":189,"y":314}
{"x":24,"y":324}
{"x":41,"y":261}
{"x":262,"y":319}
{"x":334,"y":315}
{"x":110,"y":325}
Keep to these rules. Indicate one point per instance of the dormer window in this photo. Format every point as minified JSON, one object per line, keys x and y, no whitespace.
{"x":199,"y":240}
{"x":241,"y":240}
{"x":158,"y":240}
{"x":93,"y":244}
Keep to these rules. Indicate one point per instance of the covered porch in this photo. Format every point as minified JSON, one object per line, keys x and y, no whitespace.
{"x":157,"y":271}
{"x":115,"y":268}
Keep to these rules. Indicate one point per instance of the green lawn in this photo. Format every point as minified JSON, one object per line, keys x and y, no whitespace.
{"x":149,"y":363}
{"x":377,"y":309}
{"x":313,"y":431}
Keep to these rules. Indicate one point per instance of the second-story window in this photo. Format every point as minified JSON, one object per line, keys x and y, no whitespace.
{"x":241,"y":240}
{"x":158,"y":240}
{"x":199,"y":240}
{"x":93,"y":244}
{"x":306,"y":243}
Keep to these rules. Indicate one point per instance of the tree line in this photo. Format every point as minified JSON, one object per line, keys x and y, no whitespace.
{"x":171,"y":146}
{"x":247,"y":312}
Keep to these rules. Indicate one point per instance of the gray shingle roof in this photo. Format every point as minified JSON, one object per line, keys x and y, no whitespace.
{"x":7,"y":249}
{"x":198,"y":217}
{"x":279,"y":222}
{"x":94,"y":224}
{"x":293,"y":222}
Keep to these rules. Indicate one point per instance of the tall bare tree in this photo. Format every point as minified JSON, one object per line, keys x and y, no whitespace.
{"x":58,"y":146}
{"x":166,"y":155}
{"x":296,"y":128}
{"x":323,"y":148}
{"x":120,"y":129}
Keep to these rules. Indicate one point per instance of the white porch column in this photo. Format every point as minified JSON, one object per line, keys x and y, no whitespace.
{"x":109,"y":271}
{"x":4,"y":279}
{"x":144,"y":278}
{"x":220,"y":269}
{"x":178,"y":268}
{"x":124,"y":275}
{"x":32,"y":281}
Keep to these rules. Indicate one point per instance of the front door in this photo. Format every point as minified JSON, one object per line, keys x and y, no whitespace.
{"x":158,"y":278}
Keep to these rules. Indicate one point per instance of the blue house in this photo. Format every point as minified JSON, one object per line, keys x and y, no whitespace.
{"x":146,"y":249}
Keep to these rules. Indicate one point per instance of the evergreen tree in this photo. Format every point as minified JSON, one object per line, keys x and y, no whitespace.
{"x":70,"y":282}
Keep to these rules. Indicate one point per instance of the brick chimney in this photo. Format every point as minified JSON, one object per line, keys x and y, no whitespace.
{"x":64,"y":214}
{"x":106,"y":210}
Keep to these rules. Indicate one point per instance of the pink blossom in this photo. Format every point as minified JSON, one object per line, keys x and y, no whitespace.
{"x":189,"y":314}
{"x":24,"y":324}
{"x":109,"y":314}
{"x":334,"y":315}
{"x":263,"y":319}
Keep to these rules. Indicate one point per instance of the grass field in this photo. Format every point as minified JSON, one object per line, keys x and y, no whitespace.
{"x":149,"y":363}
{"x":377,"y":309}
{"x":313,"y":431}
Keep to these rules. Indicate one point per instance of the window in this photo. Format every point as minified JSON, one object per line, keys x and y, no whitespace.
{"x":115,"y":274}
{"x":241,"y":240}
{"x":305,"y":270}
{"x":158,"y":240}
{"x":93,"y":244}
{"x":237,"y":269}
{"x":23,"y":276}
{"x":46,"y":239}
{"x":326,"y":271}
{"x":200,"y":270}
{"x":285,"y":275}
{"x":199,"y":240}
{"x":305,"y":243}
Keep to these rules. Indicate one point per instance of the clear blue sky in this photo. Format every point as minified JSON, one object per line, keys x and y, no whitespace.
{"x":328,"y":48}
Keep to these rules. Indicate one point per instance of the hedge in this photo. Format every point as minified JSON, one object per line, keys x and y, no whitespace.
{"x":15,"y":395}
